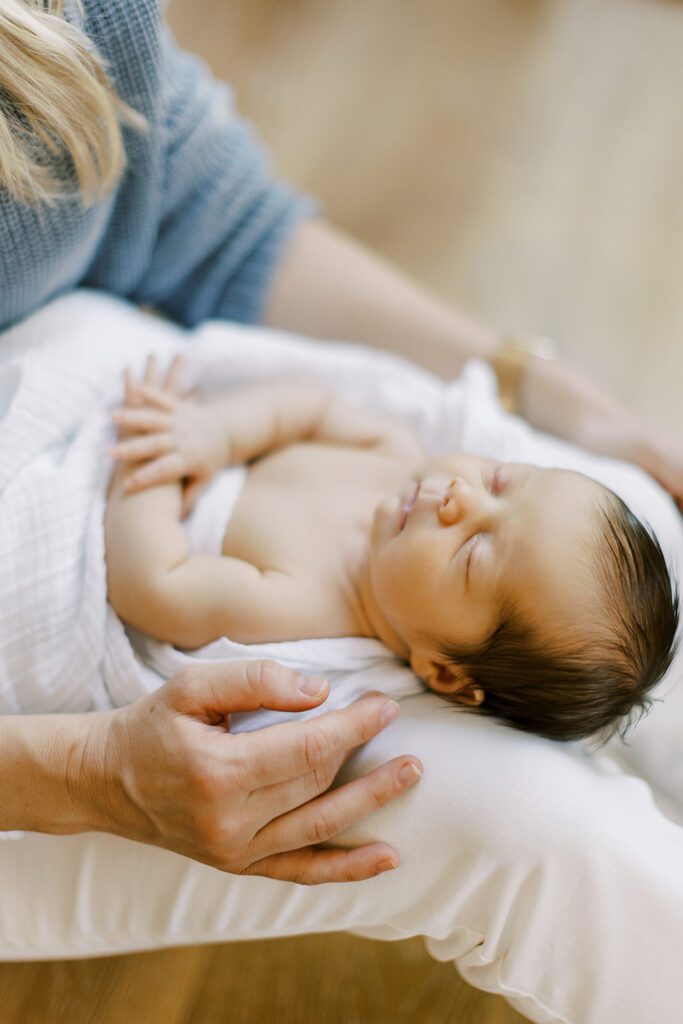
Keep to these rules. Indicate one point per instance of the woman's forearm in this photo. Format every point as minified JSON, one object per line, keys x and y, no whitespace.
{"x":330,"y":286}
{"x":44,"y":784}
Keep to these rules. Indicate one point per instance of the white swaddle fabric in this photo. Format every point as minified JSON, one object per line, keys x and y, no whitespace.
{"x":206,"y":525}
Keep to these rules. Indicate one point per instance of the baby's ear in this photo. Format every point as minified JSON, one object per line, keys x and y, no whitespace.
{"x":450,"y":680}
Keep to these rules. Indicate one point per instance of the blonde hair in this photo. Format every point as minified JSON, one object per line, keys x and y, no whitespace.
{"x":54,"y":90}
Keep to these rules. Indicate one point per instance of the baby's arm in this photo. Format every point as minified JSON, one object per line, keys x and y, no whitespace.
{"x":188,"y":601}
{"x":181,"y":438}
{"x":152,"y":583}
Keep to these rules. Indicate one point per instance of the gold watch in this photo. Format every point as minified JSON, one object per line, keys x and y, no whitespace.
{"x":510,"y":362}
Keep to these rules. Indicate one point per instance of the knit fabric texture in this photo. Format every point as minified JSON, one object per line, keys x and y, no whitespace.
{"x":197,"y":224}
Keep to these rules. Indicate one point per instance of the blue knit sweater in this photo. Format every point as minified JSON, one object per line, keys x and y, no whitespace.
{"x":196,"y":225}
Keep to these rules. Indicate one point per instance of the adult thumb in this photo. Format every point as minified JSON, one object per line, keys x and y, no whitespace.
{"x":211,"y":690}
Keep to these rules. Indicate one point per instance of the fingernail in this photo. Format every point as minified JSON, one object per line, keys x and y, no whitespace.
{"x":312,"y":686}
{"x":390,"y":712}
{"x":409,"y":773}
{"x":388,"y":864}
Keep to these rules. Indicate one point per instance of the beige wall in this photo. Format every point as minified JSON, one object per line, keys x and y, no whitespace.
{"x":523,"y":157}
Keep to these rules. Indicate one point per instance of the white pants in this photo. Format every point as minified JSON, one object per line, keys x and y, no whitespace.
{"x":544,"y":875}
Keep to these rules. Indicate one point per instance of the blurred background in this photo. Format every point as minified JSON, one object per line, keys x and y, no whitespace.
{"x":524,"y":159}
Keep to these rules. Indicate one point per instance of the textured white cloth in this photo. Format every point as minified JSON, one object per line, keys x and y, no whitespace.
{"x":206,"y":525}
{"x":543,"y":871}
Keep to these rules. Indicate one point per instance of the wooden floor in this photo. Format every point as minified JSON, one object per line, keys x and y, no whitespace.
{"x":525,"y":159}
{"x":321,"y":979}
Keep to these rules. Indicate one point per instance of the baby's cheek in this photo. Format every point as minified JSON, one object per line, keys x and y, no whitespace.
{"x":404,"y":585}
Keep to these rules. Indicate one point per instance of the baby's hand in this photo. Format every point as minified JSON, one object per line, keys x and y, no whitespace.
{"x":175,"y":436}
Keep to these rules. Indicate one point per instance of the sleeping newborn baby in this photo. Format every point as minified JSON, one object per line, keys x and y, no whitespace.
{"x":531,"y":594}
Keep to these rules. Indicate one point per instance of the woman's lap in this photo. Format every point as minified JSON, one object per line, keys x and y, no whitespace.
{"x":544,"y":875}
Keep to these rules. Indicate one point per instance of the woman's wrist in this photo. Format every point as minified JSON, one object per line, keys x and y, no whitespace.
{"x":559,"y":399}
{"x":48,"y":780}
{"x":331,"y":286}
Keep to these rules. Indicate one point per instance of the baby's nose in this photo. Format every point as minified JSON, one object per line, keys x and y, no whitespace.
{"x":457,"y":502}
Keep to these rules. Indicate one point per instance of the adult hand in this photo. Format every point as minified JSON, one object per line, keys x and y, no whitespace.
{"x":168,"y":772}
{"x":661,"y":455}
{"x":560,"y":400}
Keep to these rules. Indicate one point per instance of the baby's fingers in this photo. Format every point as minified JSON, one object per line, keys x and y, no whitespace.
{"x":166,"y":470}
{"x":138,"y":449}
{"x":174,"y":377}
{"x":155,"y":396}
{"x":143,"y":420}
{"x":152,"y":371}
{"x":130,"y":388}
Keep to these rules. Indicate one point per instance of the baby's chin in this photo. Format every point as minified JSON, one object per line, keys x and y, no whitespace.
{"x":382,"y":522}
{"x":380,"y":531}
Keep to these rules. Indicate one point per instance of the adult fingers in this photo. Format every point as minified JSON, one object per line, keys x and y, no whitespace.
{"x":320,"y":820}
{"x":312,"y":866}
{"x":661,"y":455}
{"x":211,"y":690}
{"x":286,"y":751}
{"x":292,"y":793}
{"x":274,"y":801}
{"x":143,"y":420}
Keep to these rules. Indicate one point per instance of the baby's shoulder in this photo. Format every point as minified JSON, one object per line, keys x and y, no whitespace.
{"x":365,"y":429}
{"x":402,"y":442}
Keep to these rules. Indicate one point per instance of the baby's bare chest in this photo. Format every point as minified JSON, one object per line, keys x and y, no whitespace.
{"x":298,"y":505}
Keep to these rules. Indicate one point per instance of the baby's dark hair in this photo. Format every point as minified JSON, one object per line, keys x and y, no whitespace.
{"x":570,"y":689}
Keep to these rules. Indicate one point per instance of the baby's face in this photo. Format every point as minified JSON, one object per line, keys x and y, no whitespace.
{"x":467,"y":534}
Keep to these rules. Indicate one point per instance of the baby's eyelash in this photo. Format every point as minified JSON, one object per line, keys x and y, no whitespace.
{"x":471,"y":545}
{"x":501,"y":479}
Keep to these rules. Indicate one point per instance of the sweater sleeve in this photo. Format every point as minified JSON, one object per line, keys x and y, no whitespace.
{"x":224,"y":221}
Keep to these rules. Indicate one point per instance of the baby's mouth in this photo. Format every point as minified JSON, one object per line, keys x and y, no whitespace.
{"x":408,"y":505}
